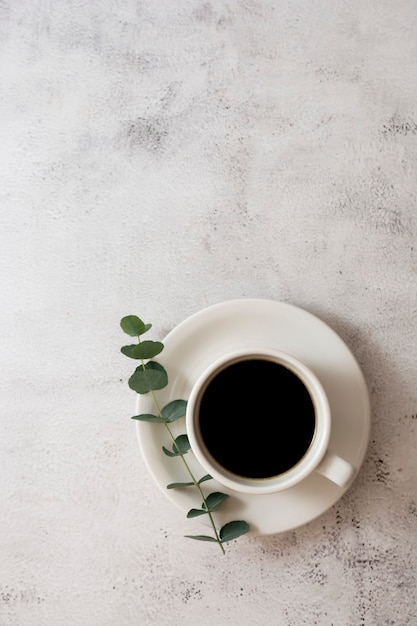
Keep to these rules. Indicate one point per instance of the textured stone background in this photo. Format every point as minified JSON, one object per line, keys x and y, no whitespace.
{"x":156,"y":158}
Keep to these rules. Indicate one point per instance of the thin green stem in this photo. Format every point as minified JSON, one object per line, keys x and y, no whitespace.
{"x":187,"y":467}
{"x":199,"y":489}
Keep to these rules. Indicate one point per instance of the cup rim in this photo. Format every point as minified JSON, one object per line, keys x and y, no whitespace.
{"x":310,"y":459}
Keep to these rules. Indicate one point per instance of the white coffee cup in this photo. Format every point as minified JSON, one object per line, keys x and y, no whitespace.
{"x":317,"y":457}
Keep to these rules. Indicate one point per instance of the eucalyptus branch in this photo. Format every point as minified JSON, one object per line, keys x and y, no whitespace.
{"x":149,"y":377}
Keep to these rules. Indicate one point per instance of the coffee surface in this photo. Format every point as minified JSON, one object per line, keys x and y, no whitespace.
{"x":257,"y":418}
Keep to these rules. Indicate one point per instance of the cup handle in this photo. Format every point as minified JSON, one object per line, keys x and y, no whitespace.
{"x":336,"y":469}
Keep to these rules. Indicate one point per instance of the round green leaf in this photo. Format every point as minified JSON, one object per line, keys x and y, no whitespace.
{"x":170,"y":452}
{"x":182,"y":444}
{"x":147,"y":349}
{"x":179,"y":447}
{"x":174,"y":410}
{"x":233,"y":530}
{"x":206,"y":477}
{"x":214,"y":499}
{"x":149,"y":377}
{"x":132,"y":325}
{"x":196,"y":513}
{"x":128,"y":350}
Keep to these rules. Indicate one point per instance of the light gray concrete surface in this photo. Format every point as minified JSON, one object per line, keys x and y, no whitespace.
{"x":156,"y":158}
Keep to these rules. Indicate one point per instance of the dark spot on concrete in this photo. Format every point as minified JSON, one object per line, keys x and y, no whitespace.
{"x":398,"y":126}
{"x":5,"y":597}
{"x":24,"y":596}
{"x":381,"y":471}
{"x":191,"y":592}
{"x":364,"y":563}
{"x":317,"y":576}
{"x":390,"y":219}
{"x":147,"y":133}
{"x":412,"y":508}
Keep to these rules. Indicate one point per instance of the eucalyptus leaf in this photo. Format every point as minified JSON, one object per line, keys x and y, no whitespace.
{"x":174,"y":410}
{"x":147,"y":417}
{"x":201,"y":538}
{"x":182,"y":444}
{"x":179,"y":485}
{"x":132,"y":325}
{"x":233,"y":530}
{"x":149,"y":377}
{"x":180,"y":447}
{"x":196,"y":512}
{"x":170,"y":452}
{"x":147,"y":349}
{"x":143,"y":350}
{"x":206,"y":477}
{"x":214,"y":499}
{"x":128,"y":350}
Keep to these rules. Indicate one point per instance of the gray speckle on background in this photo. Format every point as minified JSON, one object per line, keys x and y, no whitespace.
{"x":157,"y":158}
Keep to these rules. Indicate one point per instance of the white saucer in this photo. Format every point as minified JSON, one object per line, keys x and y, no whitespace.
{"x":228,"y":326}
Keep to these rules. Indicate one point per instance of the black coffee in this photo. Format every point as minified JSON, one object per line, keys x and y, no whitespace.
{"x":256,"y":418}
